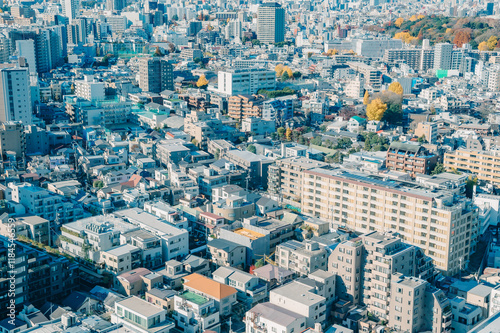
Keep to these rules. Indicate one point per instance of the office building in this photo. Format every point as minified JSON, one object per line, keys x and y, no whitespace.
{"x":26,"y":49}
{"x":15,"y":98}
{"x":444,"y":225}
{"x":245,"y":81}
{"x":271,"y":23}
{"x":70,"y":9}
{"x":155,"y":75}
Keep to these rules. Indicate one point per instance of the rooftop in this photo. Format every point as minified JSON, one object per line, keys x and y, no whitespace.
{"x":253,"y":235}
{"x":140,"y":306}
{"x":192,"y":297}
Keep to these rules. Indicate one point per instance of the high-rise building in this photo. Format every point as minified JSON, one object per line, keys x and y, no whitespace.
{"x":271,"y":23}
{"x":115,"y":5}
{"x":442,"y":56}
{"x":13,"y":139}
{"x":40,"y":276}
{"x":444,"y":225}
{"x":155,"y":75}
{"x":15,"y":101}
{"x":245,"y":81}
{"x":26,"y":49}
{"x":70,"y":9}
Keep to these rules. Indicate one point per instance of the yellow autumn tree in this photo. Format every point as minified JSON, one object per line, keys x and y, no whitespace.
{"x":405,"y":37}
{"x":288,"y":71}
{"x":375,"y":110}
{"x":399,"y":22}
{"x":332,"y":52}
{"x":413,"y":18}
{"x":420,"y":16}
{"x":492,"y":42}
{"x":483,"y":46}
{"x":279,"y":69}
{"x":288,"y":134}
{"x":396,"y":87}
{"x":202,"y":81}
{"x":366,"y":98}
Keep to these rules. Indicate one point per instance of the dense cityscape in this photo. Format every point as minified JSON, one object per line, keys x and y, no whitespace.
{"x":221,"y":166}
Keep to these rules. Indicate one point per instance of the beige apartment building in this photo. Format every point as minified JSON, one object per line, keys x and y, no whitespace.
{"x":443,"y":225}
{"x":285,"y":178}
{"x":385,"y":256}
{"x":416,"y":306}
{"x":346,"y":262}
{"x":301,"y":257}
{"x":485,"y":164}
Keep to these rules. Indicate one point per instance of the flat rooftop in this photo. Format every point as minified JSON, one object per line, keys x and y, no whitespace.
{"x":140,"y":306}
{"x":192,"y":297}
{"x":248,"y":233}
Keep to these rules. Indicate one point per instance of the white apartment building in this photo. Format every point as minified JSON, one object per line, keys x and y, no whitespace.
{"x":245,"y":81}
{"x":86,"y":238}
{"x":443,"y":56}
{"x":445,"y":226}
{"x":174,"y":241}
{"x":195,"y":313}
{"x":89,"y":88}
{"x":301,"y":257}
{"x":300,"y":299}
{"x":141,"y":316}
{"x":50,"y":206}
{"x":15,"y":97}
{"x":251,"y":290}
{"x":268,"y":317}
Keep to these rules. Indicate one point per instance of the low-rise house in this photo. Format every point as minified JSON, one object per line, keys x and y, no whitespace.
{"x":251,"y":290}
{"x":268,"y":317}
{"x":223,"y":295}
{"x":274,"y":275}
{"x":302,"y":299}
{"x":226,"y":253}
{"x":175,"y":271}
{"x":138,"y":314}
{"x":163,"y":298}
{"x":195,"y":313}
{"x":137,"y":282}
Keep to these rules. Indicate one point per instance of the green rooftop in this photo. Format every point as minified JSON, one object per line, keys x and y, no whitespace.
{"x":192,"y":297}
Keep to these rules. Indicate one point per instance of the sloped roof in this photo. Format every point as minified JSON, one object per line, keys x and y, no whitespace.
{"x":208,"y":286}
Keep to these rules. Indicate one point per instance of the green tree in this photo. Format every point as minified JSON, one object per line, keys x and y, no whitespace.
{"x":439,"y":168}
{"x":284,"y":76}
{"x":175,"y":18}
{"x":393,"y":114}
{"x":422,"y":139}
{"x":469,"y":186}
{"x":297,"y":75}
{"x":317,"y":141}
{"x":252,"y":149}
{"x":281,"y":132}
